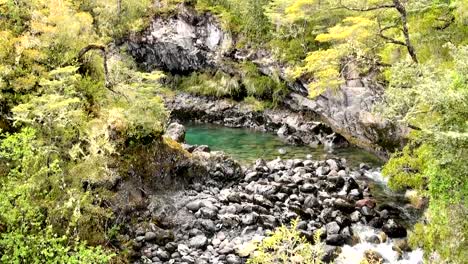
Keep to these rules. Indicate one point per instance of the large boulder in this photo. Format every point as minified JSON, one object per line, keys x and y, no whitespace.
{"x":176,"y":132}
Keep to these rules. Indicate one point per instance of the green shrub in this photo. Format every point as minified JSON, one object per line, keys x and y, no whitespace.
{"x":256,"y":104}
{"x":218,"y":85}
{"x":286,"y":245}
{"x":261,"y":86}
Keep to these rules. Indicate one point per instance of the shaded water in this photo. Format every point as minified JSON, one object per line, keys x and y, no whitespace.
{"x":246,"y":145}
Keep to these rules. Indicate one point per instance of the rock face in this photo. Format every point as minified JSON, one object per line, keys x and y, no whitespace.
{"x":348,"y":112}
{"x":293,"y":127}
{"x":188,"y":41}
{"x":182,"y":43}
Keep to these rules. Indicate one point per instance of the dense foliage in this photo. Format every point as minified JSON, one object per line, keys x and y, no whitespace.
{"x":68,"y":112}
{"x":70,"y":101}
{"x":286,"y":245}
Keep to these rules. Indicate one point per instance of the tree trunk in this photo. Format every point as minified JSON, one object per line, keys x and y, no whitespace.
{"x":404,"y":21}
{"x":103,"y":51}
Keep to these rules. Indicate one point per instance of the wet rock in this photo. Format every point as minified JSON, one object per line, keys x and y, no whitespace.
{"x":330,"y":253}
{"x":176,"y":132}
{"x":202,"y":148}
{"x":374,"y":239}
{"x":372,"y":256}
{"x":335,"y":240}
{"x":332,"y":164}
{"x":376,"y":222}
{"x":343,"y":206}
{"x":393,"y":229}
{"x":401,"y":245}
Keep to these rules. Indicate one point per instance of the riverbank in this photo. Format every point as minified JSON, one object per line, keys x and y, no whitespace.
{"x":221,"y":222}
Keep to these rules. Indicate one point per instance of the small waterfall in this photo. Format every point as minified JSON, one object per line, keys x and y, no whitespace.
{"x":355,"y":254}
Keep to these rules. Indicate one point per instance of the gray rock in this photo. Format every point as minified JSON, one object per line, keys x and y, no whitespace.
{"x":374,"y":239}
{"x":183,"y":249}
{"x":176,"y":132}
{"x":393,"y":229}
{"x":233,"y":259}
{"x":198,"y":241}
{"x":251,"y":176}
{"x":249,"y":219}
{"x":150,"y":236}
{"x":332,"y":228}
{"x":335,"y":240}
{"x":307,"y":188}
{"x":355,"y":216}
{"x":194,"y":205}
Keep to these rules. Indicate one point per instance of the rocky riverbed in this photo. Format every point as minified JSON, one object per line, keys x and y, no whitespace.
{"x":218,"y":222}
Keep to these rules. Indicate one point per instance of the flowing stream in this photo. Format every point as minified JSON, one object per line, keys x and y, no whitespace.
{"x":247,"y":145}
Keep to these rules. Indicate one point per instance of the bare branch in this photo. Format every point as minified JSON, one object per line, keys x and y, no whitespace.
{"x":103,"y":51}
{"x":447,"y":24}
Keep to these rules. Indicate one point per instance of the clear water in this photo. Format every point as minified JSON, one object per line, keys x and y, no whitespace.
{"x":246,"y":145}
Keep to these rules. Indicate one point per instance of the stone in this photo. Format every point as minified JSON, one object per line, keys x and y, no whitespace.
{"x":332,"y":165}
{"x":249,"y":219}
{"x":159,"y":236}
{"x":188,"y":259}
{"x":330,"y":253}
{"x":233,"y":259}
{"x":251,"y":176}
{"x":376,"y":222}
{"x":194,"y":205}
{"x":202,"y":148}
{"x":198,"y":241}
{"x":176,"y":132}
{"x":393,"y":229}
{"x":261,"y":200}
{"x":401,"y":244}
{"x":374,"y":239}
{"x":332,"y":228}
{"x":369,"y":202}
{"x":366,"y":211}
{"x":372,"y":256}
{"x":355,"y":216}
{"x":162,"y":255}
{"x":307,"y":188}
{"x":335,"y":240}
{"x":343,"y":206}
{"x":208,"y":213}
{"x":183,"y":249}
{"x":171,"y":247}
{"x":150,"y":236}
